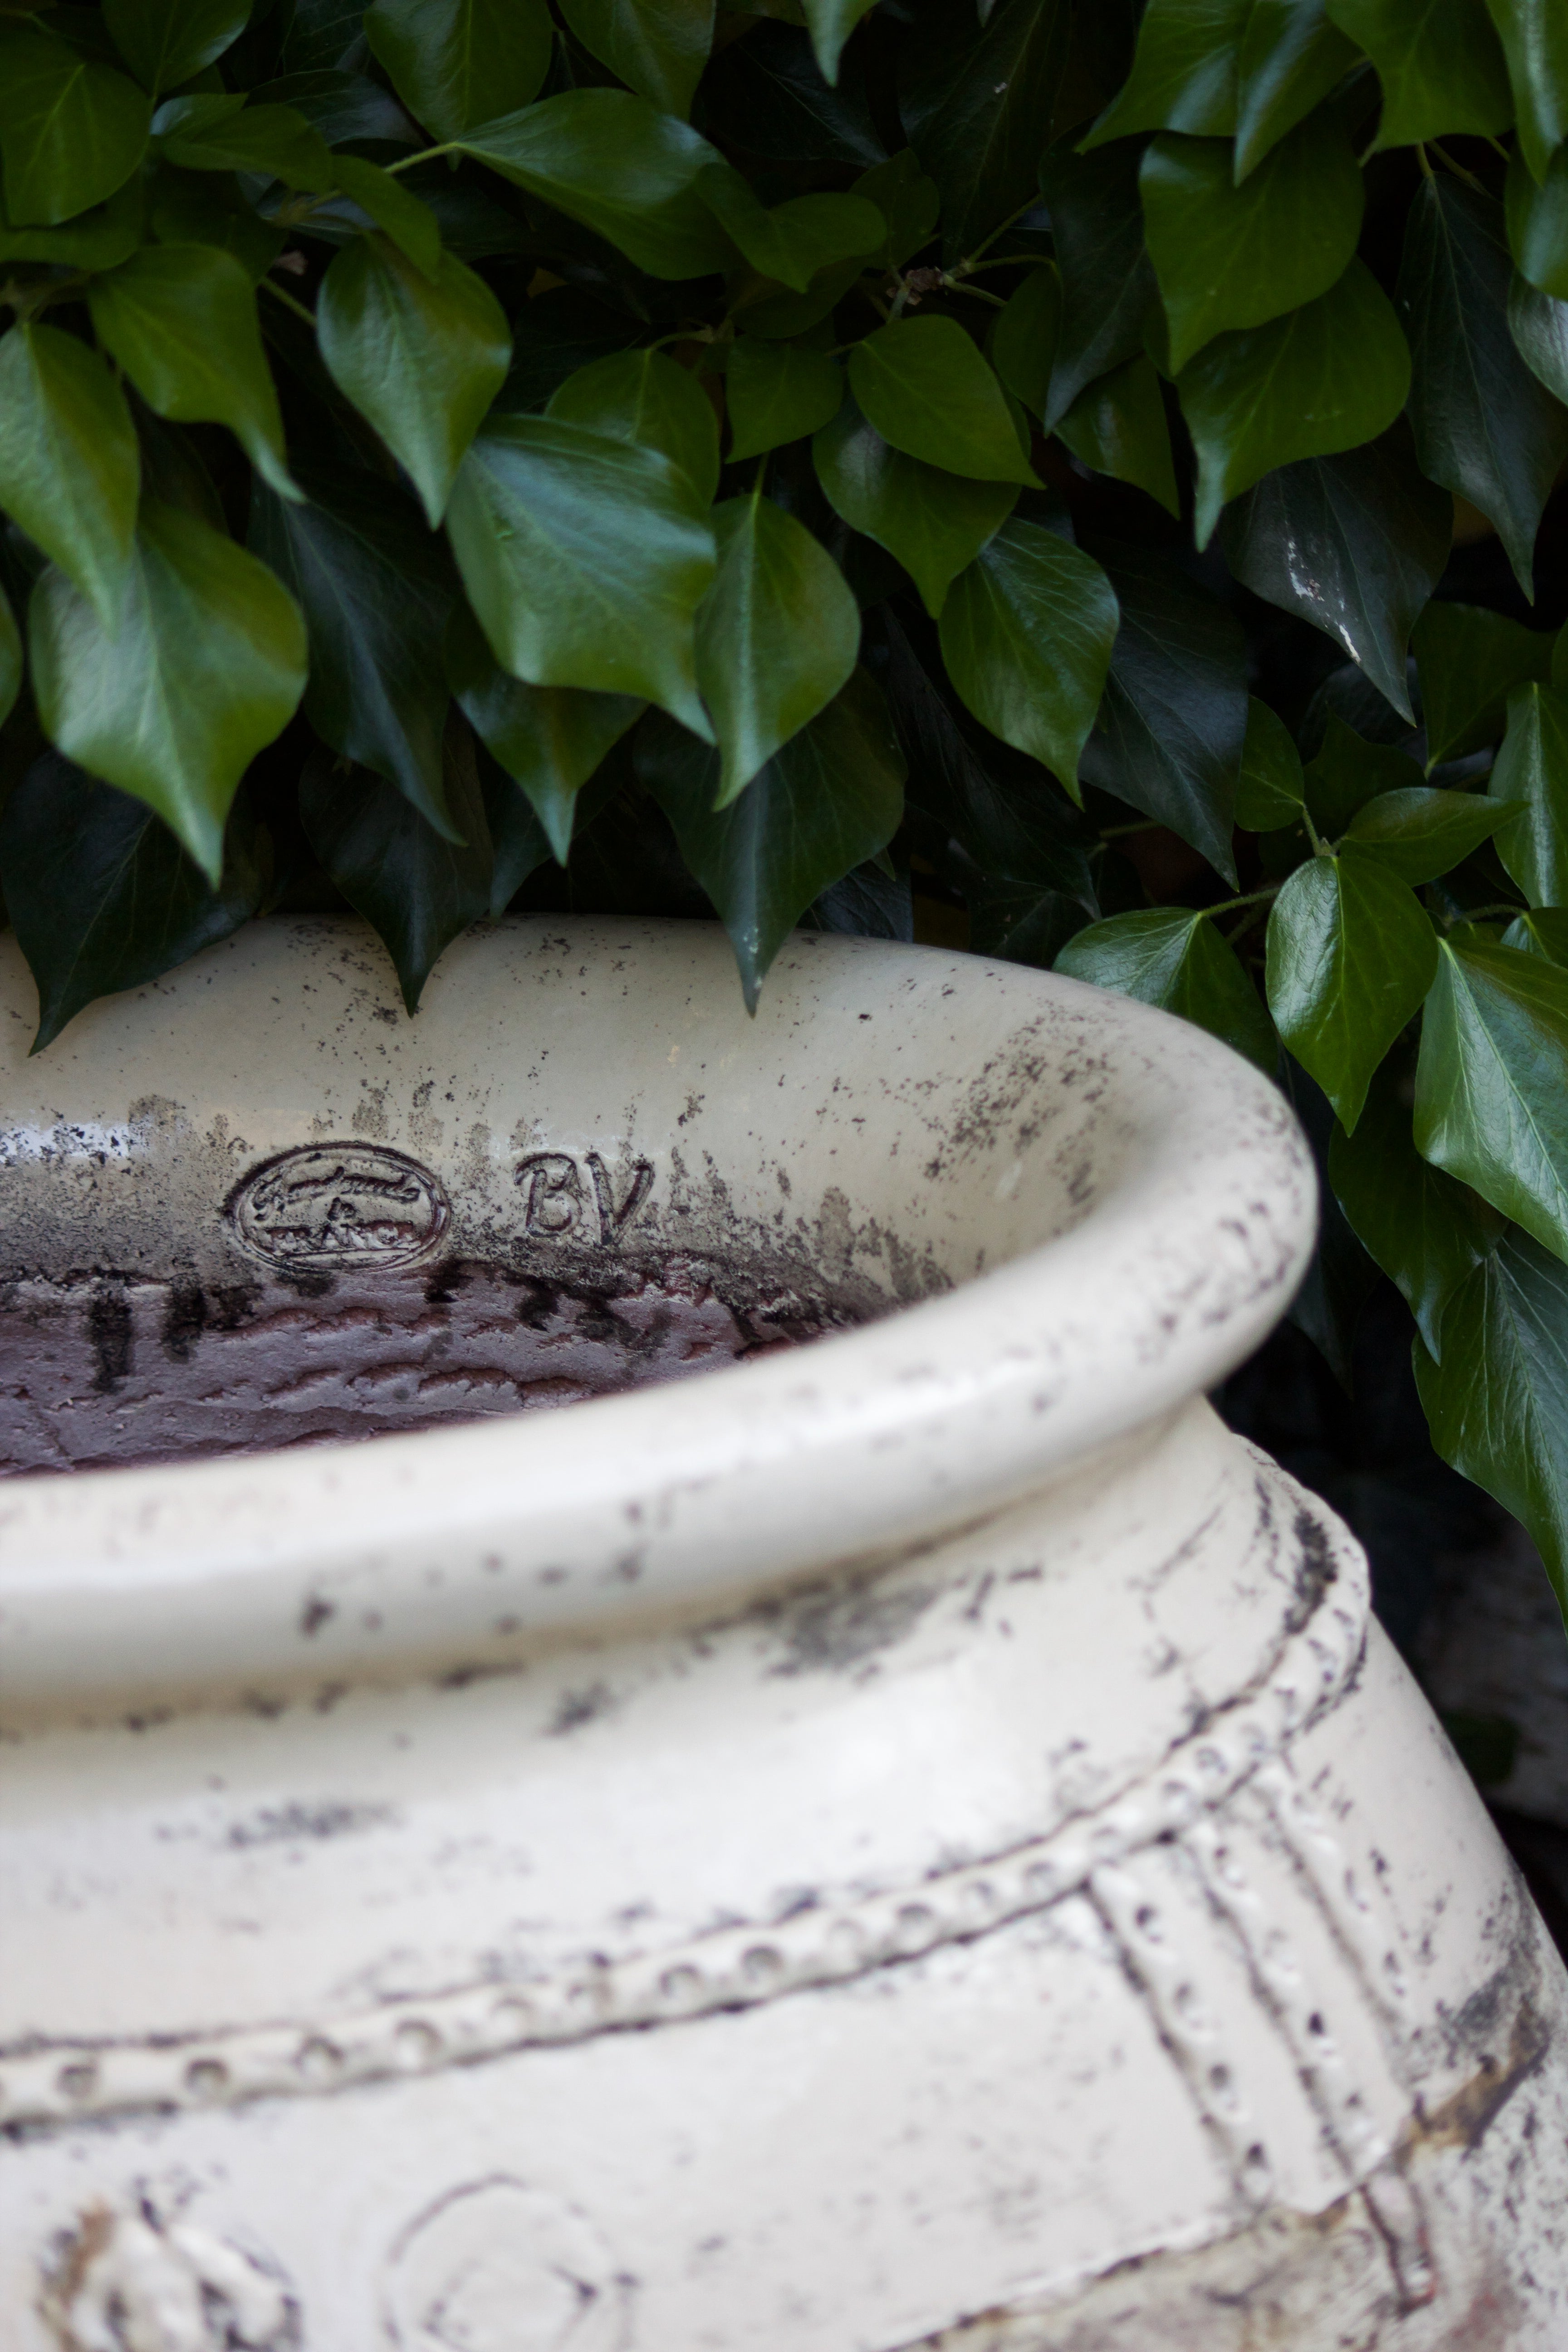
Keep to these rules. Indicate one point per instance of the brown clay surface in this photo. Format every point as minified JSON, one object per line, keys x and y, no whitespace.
{"x":100,"y":1373}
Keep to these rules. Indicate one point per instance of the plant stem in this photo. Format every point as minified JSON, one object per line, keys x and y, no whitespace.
{"x":279,"y":295}
{"x":426,"y":155}
{"x":1252,"y":898}
{"x":964,"y":268}
{"x":976,"y":293}
{"x":1143,"y":825}
{"x":1005,"y":261}
{"x":1481,"y":915}
{"x":1458,"y":170}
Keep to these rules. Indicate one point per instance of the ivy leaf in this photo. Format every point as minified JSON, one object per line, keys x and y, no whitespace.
{"x":1291,"y":58}
{"x":770,"y":80}
{"x":1537,"y":221}
{"x":187,"y":208}
{"x":1538,"y":325}
{"x":181,"y":320}
{"x":1348,"y":772}
{"x":1228,"y":257}
{"x":1491,"y":1085}
{"x":420,"y":358}
{"x":1023,"y":341}
{"x":1184,"y":73}
{"x":95,"y":239}
{"x":1169,"y":736}
{"x":1469,"y":662}
{"x":376,"y":595}
{"x":102,"y":896}
{"x":456,"y":63}
{"x":776,"y":392}
{"x":343,"y":106}
{"x":1324,"y":378}
{"x":412,"y":225}
{"x":1424,"y":1231}
{"x":777,"y":636}
{"x":830,"y":22}
{"x":1534,"y":36}
{"x":418,"y":890}
{"x":763,"y":308}
{"x":933,"y":523}
{"x":975,"y":110}
{"x":167,"y":42}
{"x":1355,"y":543}
{"x":907,"y":202}
{"x":1532,"y":772}
{"x":1349,"y":957}
{"x":659,"y":47}
{"x":71,"y":129}
{"x":10,"y":658}
{"x":1026,"y":634}
{"x":926,"y":389}
{"x":1176,"y":959}
{"x":585,"y":560}
{"x":1108,"y":284}
{"x":205,"y":665}
{"x":616,"y":164}
{"x":1498,"y":1405}
{"x":550,"y":739}
{"x":646,"y":397}
{"x":1117,"y":425}
{"x":1544,"y":932}
{"x":70,"y":469}
{"x":1440,"y":63}
{"x":1419,"y":833}
{"x":1484,"y":427}
{"x":1271,"y":788}
{"x":793,"y":241}
{"x":275,"y":140}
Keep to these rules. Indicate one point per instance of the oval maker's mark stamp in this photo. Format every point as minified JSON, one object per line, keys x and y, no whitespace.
{"x":323,"y":1207}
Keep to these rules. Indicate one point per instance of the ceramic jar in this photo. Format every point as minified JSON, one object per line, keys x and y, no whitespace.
{"x":907,"y":1843}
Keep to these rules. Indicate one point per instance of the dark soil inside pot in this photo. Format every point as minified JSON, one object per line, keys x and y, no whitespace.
{"x":100,"y":1373}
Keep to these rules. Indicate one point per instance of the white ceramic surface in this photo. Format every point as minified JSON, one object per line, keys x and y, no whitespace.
{"x":909,"y":1843}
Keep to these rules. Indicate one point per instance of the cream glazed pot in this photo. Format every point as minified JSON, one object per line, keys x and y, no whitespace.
{"x":908,"y":1845}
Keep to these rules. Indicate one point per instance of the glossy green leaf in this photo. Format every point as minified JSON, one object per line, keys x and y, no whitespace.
{"x":1026,"y":634}
{"x":1439,"y":61}
{"x":770,"y":80}
{"x":933,"y":523}
{"x":793,"y":241}
{"x":1426,"y":1230}
{"x":1491,"y":1085}
{"x":659,"y":47}
{"x":205,"y":665}
{"x":1022,"y":343}
{"x":1534,"y":36}
{"x":927,"y":390}
{"x":1470,"y":660}
{"x":648,"y":397}
{"x":1537,"y":221}
{"x":343,"y":106}
{"x":1348,"y":772}
{"x":418,"y":890}
{"x":1172,"y":727}
{"x":616,"y":164}
{"x":456,"y":63}
{"x":102,"y":896}
{"x":1533,"y":769}
{"x":1176,"y":959}
{"x":1271,"y":787}
{"x":760,"y":307}
{"x":1109,"y":289}
{"x":71,"y":129}
{"x":209,"y":209}
{"x":1485,"y":427}
{"x":412,"y":225}
{"x":977,"y":108}
{"x":776,"y":392}
{"x":420,"y":358}
{"x":585,"y":560}
{"x":1538,"y":325}
{"x":1184,"y":73}
{"x":95,"y":239}
{"x":167,"y":42}
{"x":1324,"y":378}
{"x":181,"y":320}
{"x":1117,"y":425}
{"x":907,"y":202}
{"x":777,"y":636}
{"x":10,"y":658}
{"x":1229,"y":256}
{"x":824,"y":805}
{"x":830,"y":22}
{"x":1349,"y":957}
{"x":549,"y":739}
{"x":70,"y":470}
{"x":1291,"y":56}
{"x":369,"y":579}
{"x":1419,"y":833}
{"x":1544,"y":932}
{"x":1355,"y":543}
{"x":1499,"y":1405}
{"x":274,"y":140}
